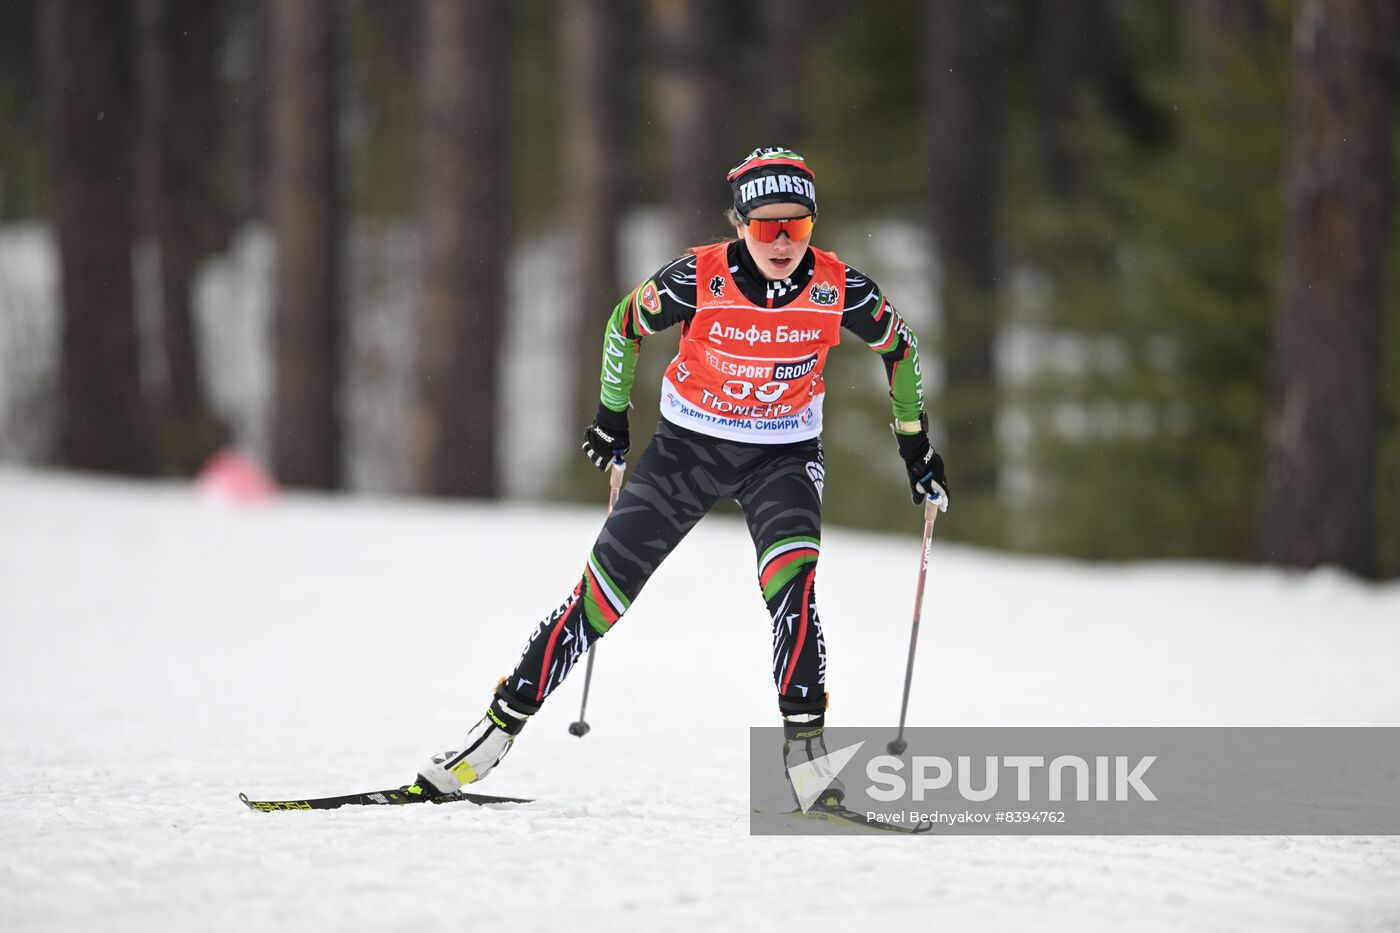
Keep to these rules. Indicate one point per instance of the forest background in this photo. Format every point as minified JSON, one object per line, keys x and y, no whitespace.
{"x":1149,"y":249}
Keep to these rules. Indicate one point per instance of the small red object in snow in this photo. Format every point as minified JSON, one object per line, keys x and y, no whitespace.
{"x":232,"y":476}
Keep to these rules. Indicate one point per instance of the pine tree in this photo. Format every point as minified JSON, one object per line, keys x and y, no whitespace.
{"x":463,"y":195}
{"x":89,"y":98}
{"x":1320,"y":490}
{"x":1150,"y":346}
{"x":304,"y":206}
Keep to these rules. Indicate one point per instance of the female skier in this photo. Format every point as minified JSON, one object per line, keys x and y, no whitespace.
{"x":741,"y":407}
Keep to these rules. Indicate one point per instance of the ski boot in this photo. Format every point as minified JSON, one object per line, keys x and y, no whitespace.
{"x":483,"y":748}
{"x":813,"y":784}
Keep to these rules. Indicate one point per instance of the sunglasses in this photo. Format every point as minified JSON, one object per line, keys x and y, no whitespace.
{"x":767,"y":230}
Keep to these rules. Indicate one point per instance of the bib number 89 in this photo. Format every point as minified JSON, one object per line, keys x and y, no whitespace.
{"x":767,"y":392}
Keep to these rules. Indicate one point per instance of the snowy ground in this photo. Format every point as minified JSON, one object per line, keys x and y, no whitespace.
{"x":162,"y":654}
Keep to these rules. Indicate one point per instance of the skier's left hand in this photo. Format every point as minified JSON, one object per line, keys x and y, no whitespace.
{"x":924,"y":466}
{"x":607,"y":439}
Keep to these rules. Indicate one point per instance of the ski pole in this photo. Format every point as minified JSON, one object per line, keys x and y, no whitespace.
{"x":581,"y":727}
{"x":898,"y":746}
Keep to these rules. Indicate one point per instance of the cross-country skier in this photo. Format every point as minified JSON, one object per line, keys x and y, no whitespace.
{"x":741,"y":418}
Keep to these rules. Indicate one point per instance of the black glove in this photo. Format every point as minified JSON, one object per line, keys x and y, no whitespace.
{"x":606,"y":439}
{"x":924,"y":466}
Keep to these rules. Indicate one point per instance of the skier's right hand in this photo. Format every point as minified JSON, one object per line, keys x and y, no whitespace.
{"x":606,"y":440}
{"x":924,"y":466}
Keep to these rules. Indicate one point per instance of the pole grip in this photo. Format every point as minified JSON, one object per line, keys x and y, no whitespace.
{"x":615,"y":476}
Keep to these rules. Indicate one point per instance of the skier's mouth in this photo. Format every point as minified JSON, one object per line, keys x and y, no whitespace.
{"x":781,"y":263}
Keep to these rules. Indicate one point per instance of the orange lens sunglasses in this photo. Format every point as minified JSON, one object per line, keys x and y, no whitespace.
{"x":766,"y":231}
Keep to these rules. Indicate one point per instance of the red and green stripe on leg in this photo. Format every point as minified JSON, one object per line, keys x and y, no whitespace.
{"x":785,"y":560}
{"x":603,"y":601}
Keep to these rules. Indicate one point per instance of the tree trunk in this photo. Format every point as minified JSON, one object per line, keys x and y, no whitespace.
{"x":464,"y":200}
{"x":688,"y":97}
{"x":788,"y":28}
{"x":186,"y":123}
{"x":591,"y":158}
{"x":89,"y":79}
{"x":1069,"y":50}
{"x":302,"y":179}
{"x":964,"y":187}
{"x":1320,"y":485}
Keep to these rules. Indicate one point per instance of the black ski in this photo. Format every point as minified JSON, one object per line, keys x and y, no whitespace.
{"x":398,"y":796}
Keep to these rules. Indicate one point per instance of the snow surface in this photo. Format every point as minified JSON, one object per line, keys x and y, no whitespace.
{"x":161,"y":654}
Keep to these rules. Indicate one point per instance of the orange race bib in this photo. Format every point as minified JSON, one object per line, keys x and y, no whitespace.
{"x":749,"y":373}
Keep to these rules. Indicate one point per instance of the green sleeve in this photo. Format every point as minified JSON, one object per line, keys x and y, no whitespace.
{"x":871,"y":317}
{"x":620,"y":354}
{"x":907,"y":384}
{"x":664,"y":300}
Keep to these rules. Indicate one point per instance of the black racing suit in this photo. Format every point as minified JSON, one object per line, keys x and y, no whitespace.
{"x":683,"y":473}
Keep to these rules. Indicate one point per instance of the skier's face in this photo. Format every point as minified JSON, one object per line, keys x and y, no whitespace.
{"x":776,"y":260}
